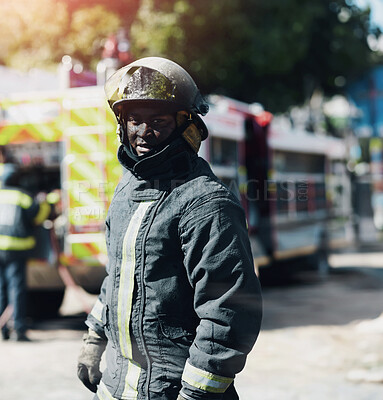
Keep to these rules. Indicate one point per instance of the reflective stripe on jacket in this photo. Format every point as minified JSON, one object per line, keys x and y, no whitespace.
{"x":181,"y":305}
{"x":17,"y":244}
{"x":19,"y":213}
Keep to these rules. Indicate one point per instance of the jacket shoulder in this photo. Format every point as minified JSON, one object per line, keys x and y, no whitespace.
{"x":205,"y":193}
{"x":204,"y":182}
{"x":17,"y":196}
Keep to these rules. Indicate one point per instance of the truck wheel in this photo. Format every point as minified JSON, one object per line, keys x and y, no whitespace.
{"x":318,"y":262}
{"x":323,"y":266}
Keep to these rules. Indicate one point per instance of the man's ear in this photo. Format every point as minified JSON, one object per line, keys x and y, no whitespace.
{"x":182,"y":117}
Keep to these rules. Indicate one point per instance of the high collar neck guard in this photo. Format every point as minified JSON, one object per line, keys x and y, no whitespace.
{"x":172,"y":162}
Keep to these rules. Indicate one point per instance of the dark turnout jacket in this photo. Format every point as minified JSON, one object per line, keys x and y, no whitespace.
{"x":19,"y":213}
{"x":181,"y":304}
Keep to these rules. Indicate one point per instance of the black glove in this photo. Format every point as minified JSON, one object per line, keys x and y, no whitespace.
{"x":88,"y":367}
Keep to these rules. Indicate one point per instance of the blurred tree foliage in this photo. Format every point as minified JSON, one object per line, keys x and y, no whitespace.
{"x":88,"y":29}
{"x":30,"y":31}
{"x":38,"y":33}
{"x":275,"y":52}
{"x":271,"y":51}
{"x":125,"y":9}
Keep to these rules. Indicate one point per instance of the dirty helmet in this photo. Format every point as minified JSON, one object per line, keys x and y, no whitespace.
{"x":156,"y":80}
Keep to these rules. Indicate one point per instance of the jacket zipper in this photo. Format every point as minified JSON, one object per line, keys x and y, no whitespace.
{"x":143,"y":291}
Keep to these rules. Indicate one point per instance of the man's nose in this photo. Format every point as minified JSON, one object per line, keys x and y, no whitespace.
{"x":143,"y":129}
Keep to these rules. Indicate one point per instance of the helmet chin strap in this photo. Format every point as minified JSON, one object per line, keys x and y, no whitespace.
{"x":123,"y":137}
{"x":189,"y":130}
{"x":120,"y":131}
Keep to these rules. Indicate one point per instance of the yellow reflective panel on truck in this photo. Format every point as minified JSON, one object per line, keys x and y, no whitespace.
{"x":86,"y":208}
{"x":85,"y":170}
{"x":87,"y":116}
{"x":85,"y":249}
{"x":26,"y":120}
{"x":92,"y":144}
{"x":91,"y":174}
{"x":113,"y":167}
{"x":113,"y":173}
{"x":112,"y":144}
{"x":87,"y":179}
{"x":89,"y":252}
{"x":27,"y":133}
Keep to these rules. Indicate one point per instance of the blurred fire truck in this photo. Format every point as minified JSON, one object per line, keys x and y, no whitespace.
{"x":65,"y":145}
{"x":293,"y":185}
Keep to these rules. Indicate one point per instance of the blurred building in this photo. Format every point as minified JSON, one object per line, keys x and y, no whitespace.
{"x":366,"y":94}
{"x":14,"y":81}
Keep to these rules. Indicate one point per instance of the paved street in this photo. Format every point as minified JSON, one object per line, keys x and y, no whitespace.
{"x":321,"y":339}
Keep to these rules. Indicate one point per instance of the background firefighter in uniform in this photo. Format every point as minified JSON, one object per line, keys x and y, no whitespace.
{"x":180,"y":308}
{"x":19,"y":213}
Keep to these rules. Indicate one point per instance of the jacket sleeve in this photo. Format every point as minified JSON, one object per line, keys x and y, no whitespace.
{"x":227,"y":295}
{"x":96,"y":319}
{"x":36,"y":212}
{"x":43,"y":210}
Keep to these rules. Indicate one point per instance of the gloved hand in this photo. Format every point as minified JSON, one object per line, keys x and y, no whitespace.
{"x":88,"y":366}
{"x":180,"y":397}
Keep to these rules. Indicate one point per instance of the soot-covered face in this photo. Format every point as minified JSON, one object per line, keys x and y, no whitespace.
{"x":148,"y":127}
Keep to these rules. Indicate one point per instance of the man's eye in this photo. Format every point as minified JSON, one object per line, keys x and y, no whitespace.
{"x":133,"y":120}
{"x":160,"y":122}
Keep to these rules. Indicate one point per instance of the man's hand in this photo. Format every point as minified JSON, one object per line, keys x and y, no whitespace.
{"x":88,"y":367}
{"x":180,"y":397}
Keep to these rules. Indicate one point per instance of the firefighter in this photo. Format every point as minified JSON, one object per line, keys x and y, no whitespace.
{"x":180,"y":308}
{"x":19,"y":213}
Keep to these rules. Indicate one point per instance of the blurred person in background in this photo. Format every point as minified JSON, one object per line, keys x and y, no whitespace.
{"x":19,"y":213}
{"x":180,"y":308}
{"x":6,"y":164}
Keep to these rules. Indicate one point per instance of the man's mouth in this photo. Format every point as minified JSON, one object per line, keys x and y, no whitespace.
{"x":143,"y":148}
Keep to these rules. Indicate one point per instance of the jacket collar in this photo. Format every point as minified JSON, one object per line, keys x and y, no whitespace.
{"x":158,"y":173}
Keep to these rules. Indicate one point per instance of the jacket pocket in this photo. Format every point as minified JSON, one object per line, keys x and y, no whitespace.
{"x":175,"y":337}
{"x":174,"y":328}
